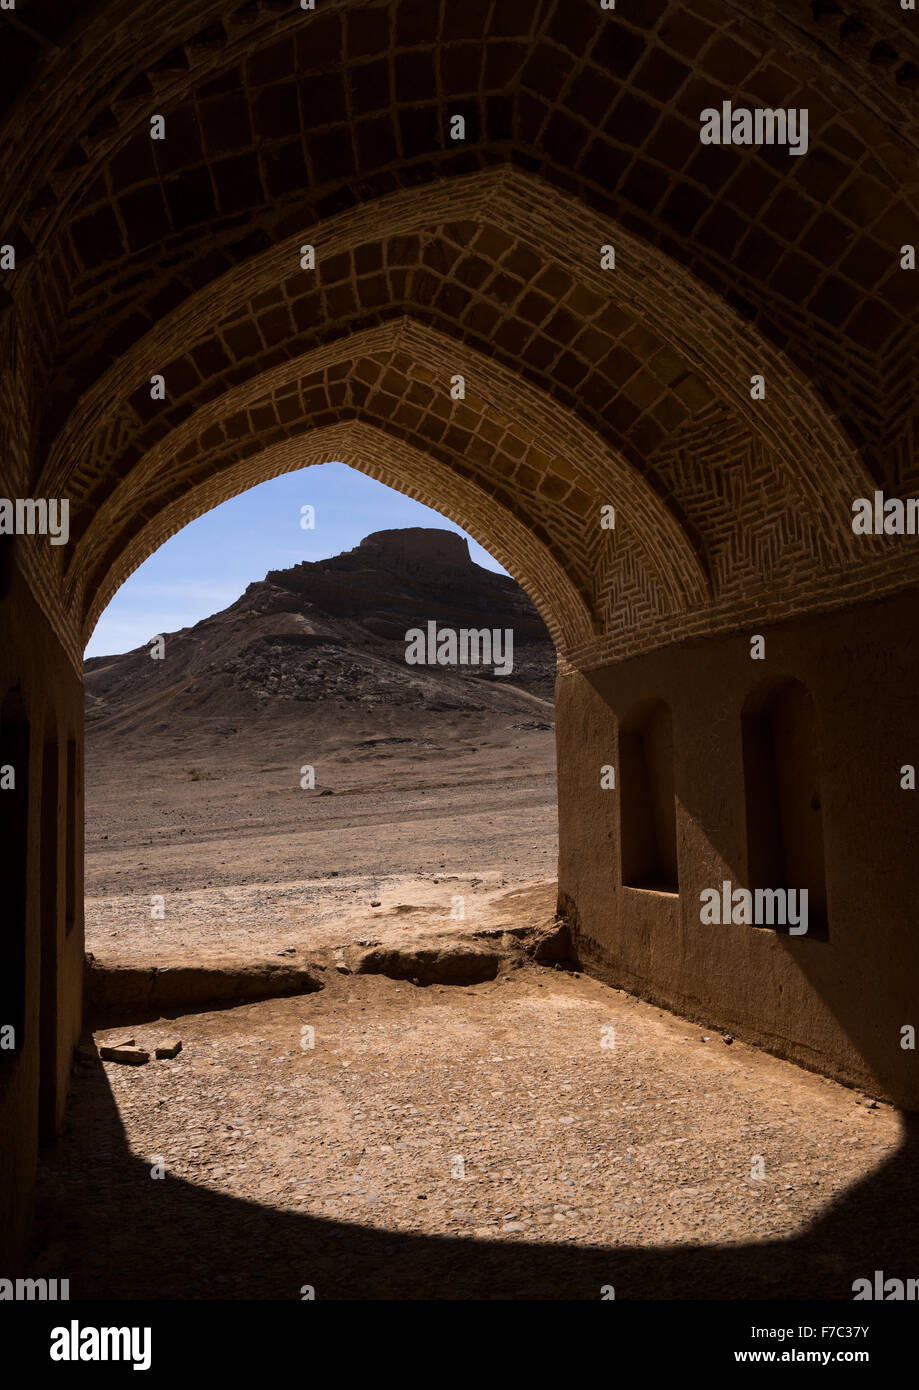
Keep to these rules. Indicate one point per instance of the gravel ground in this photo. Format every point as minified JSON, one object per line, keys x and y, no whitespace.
{"x":257,"y":921}
{"x":496,"y":1141}
{"x":538,"y":1135}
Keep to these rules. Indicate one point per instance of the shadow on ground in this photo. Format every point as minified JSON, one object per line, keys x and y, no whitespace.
{"x":118,"y":1234}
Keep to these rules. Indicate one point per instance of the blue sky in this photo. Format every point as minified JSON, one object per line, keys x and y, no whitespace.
{"x":209,"y":563}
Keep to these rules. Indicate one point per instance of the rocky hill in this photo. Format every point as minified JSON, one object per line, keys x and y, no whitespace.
{"x":328,"y":638}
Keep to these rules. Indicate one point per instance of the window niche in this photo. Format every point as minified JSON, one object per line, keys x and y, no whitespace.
{"x":647,"y":808}
{"x":783,"y":796}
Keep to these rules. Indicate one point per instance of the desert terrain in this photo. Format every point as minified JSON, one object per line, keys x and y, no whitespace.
{"x":426,"y":782}
{"x":438,"y":1103}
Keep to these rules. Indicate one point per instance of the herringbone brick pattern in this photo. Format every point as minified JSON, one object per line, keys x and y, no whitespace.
{"x":480,"y":257}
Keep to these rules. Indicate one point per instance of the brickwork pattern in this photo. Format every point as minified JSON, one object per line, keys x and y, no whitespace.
{"x":252,"y":139}
{"x":629,"y":387}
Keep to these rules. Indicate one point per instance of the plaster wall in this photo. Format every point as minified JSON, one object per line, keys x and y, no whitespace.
{"x":835,"y":1005}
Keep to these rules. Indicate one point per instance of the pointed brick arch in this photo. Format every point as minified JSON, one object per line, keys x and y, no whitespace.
{"x":587,"y":388}
{"x":521,"y":450}
{"x":399,"y":465}
{"x":506,"y":211}
{"x":677,"y":445}
{"x":285,"y":118}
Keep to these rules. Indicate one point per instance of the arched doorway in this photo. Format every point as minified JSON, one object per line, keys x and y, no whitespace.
{"x":316,"y":259}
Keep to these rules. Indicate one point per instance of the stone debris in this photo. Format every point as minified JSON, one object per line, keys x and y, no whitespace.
{"x":130,"y":1056}
{"x":170,"y":1048}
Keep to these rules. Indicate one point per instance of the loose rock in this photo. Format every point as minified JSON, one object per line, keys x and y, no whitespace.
{"x":131,"y":1056}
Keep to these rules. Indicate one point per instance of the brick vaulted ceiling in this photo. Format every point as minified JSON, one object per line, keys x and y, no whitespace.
{"x":479,"y":257}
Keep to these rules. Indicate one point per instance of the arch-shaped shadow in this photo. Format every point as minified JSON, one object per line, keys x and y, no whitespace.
{"x":168,"y":1239}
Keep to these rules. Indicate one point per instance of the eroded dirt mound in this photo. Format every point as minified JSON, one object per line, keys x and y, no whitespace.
{"x":125,"y":988}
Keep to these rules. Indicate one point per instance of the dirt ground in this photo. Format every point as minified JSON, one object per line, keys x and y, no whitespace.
{"x":465,"y":793}
{"x":433,"y":830}
{"x":535,"y":1134}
